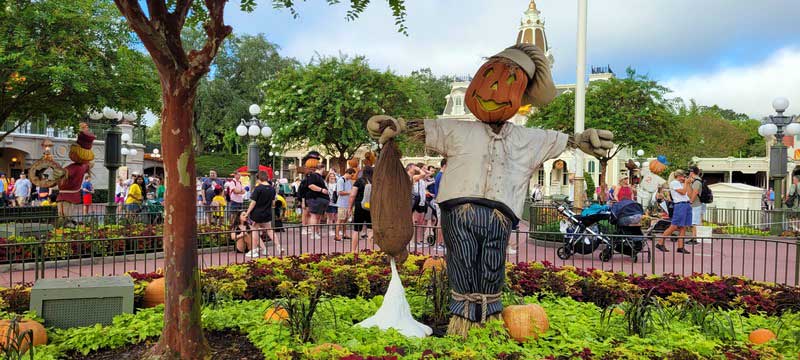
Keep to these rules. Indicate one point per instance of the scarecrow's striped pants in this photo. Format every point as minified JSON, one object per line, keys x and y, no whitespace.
{"x":476,"y":237}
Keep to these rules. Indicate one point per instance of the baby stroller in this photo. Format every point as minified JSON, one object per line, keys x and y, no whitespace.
{"x":626,"y":215}
{"x":581,"y":233}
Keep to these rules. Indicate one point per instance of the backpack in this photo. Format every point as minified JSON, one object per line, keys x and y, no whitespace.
{"x":367,"y":195}
{"x":302,"y":190}
{"x":706,"y":196}
{"x":335,"y":195}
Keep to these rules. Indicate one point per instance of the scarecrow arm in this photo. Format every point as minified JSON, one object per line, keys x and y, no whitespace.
{"x":384,"y":127}
{"x":592,"y":141}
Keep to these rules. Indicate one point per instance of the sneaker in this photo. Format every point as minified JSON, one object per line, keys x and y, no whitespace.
{"x":255,"y":253}
{"x":662,"y":248}
{"x":683,"y":251}
{"x":440,"y":248}
{"x":315,"y":236}
{"x":511,"y":251}
{"x":692,"y":242}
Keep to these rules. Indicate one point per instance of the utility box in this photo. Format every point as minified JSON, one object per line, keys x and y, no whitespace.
{"x":67,"y":303}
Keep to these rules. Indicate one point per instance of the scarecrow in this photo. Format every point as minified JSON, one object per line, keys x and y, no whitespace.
{"x":490,"y":164}
{"x":48,"y":173}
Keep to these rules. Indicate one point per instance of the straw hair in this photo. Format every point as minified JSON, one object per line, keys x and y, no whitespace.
{"x":79,"y":154}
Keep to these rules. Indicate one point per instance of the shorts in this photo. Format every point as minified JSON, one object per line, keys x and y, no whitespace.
{"x":133,"y":207}
{"x":342,"y":214}
{"x":22,"y":200}
{"x":87,"y":199}
{"x":697,"y":214}
{"x":317,"y":206}
{"x":119,"y":199}
{"x":417,"y":208}
{"x":332,"y":209}
{"x":682,"y":214}
{"x":360,"y":218}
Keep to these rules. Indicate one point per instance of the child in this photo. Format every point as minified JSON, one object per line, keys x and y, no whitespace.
{"x":218,"y":203}
{"x":280,"y":211}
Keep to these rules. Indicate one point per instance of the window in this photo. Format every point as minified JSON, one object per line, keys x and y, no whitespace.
{"x":540,"y":179}
{"x":591,"y":167}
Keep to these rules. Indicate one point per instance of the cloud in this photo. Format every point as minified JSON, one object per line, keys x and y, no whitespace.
{"x":748,"y":89}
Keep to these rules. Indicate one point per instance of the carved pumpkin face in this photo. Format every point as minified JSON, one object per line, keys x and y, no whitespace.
{"x":495,"y":93}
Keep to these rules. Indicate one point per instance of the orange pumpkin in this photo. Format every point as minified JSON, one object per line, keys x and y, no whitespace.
{"x":276,"y":314}
{"x":618,"y":311}
{"x":495,"y":93}
{"x":154,"y":293}
{"x":525,"y":321}
{"x":39,"y":333}
{"x":433,"y":263}
{"x":326,"y":347}
{"x":656,"y":167}
{"x":760,"y":336}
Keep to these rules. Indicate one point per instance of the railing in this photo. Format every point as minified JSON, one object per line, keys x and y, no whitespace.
{"x":545,"y":218}
{"x":762,"y":259}
{"x":41,"y":127}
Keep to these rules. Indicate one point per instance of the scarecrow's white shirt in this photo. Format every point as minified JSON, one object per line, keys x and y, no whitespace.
{"x":482,"y":164}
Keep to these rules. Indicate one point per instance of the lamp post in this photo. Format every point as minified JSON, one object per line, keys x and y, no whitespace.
{"x":253,"y":128}
{"x":778,"y":126}
{"x":112,"y":159}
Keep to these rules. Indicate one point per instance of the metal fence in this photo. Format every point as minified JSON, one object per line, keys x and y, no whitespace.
{"x":758,"y":258}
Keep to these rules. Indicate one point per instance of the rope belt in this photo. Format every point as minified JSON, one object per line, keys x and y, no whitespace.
{"x":482,"y":300}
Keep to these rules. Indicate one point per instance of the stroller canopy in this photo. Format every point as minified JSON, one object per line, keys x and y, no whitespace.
{"x":627,"y":212}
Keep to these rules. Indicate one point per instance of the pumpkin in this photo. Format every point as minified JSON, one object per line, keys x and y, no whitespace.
{"x":760,"y":336}
{"x":276,"y":314}
{"x":495,"y":93}
{"x":618,"y":311}
{"x":657,"y":167}
{"x":39,"y":333}
{"x":433,"y":263}
{"x":326,"y":347}
{"x":154,"y":293}
{"x":525,"y":321}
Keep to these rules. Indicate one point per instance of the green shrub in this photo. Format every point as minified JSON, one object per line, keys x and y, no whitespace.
{"x":223,"y":164}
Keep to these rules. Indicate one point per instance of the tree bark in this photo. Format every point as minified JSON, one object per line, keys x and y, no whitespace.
{"x":182,"y":337}
{"x":603,"y":186}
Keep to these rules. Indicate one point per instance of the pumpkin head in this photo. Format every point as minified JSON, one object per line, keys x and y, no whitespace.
{"x":276,"y":314}
{"x":495,"y":93}
{"x":656,"y":167}
{"x":154,"y":293}
{"x":39,"y":334}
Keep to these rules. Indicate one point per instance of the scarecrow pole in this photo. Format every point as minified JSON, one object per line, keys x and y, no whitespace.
{"x":580,"y":102}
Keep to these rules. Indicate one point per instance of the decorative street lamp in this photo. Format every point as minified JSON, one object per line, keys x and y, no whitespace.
{"x":778,"y":126}
{"x":253,"y":128}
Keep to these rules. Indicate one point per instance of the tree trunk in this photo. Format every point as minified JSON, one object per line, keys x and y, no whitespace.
{"x":182,"y":337}
{"x":603,"y":186}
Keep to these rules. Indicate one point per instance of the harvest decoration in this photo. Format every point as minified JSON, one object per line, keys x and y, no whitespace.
{"x":276,"y":314}
{"x":12,"y":333}
{"x":516,"y":76}
{"x":761,"y":336}
{"x":525,"y":321}
{"x":154,"y":293}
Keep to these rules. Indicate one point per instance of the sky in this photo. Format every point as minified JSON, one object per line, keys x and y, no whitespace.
{"x":733,"y":53}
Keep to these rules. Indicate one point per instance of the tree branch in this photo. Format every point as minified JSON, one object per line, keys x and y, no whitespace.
{"x":216,"y":31}
{"x":181,"y":11}
{"x":153,"y":40}
{"x":19,"y":123}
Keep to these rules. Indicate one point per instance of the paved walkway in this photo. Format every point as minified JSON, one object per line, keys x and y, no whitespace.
{"x":763,"y":260}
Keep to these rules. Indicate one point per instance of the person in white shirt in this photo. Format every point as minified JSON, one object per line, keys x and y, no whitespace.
{"x":680,"y":189}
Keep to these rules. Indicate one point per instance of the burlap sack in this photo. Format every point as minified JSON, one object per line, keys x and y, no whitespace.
{"x":391,"y":203}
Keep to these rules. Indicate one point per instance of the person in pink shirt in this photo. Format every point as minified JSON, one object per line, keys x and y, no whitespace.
{"x":235,"y":190}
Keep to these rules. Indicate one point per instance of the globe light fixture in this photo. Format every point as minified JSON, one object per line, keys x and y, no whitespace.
{"x":124,"y":151}
{"x":126,"y":137}
{"x":640,"y":153}
{"x":241,"y":130}
{"x":95,"y":115}
{"x":110,"y":113}
{"x":780,"y":104}
{"x":254,"y":110}
{"x":768,"y":130}
{"x":792,"y":129}
{"x":253,"y":128}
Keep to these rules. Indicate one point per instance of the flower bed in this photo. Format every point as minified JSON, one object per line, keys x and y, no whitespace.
{"x":593,"y":314}
{"x":105,"y":240}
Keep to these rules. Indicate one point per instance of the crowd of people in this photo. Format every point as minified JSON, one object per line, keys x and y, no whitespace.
{"x":20,"y":192}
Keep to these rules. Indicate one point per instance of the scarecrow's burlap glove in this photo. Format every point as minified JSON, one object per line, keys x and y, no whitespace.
{"x":384,"y":127}
{"x":593,"y":142}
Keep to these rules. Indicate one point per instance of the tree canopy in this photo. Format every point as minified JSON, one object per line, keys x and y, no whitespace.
{"x":326,"y":103}
{"x":59,"y":58}
{"x":242,"y":66}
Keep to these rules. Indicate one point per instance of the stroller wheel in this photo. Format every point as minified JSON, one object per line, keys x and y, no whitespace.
{"x":605,"y":255}
{"x":563,"y":253}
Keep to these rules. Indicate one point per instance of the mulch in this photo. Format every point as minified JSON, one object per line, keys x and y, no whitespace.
{"x":225,"y":345}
